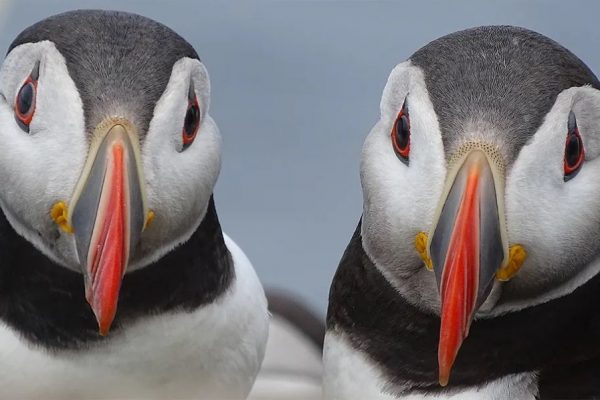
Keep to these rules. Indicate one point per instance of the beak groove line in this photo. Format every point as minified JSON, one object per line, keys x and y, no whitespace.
{"x":467,"y":245}
{"x":107,"y":214}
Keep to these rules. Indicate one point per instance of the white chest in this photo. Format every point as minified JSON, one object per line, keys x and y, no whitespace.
{"x":213,"y":352}
{"x":349,"y":375}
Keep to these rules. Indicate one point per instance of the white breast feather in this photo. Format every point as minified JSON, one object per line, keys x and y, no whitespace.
{"x":350,"y":375}
{"x":212,"y":353}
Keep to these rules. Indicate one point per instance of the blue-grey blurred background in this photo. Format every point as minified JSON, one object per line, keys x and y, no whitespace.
{"x":295,"y":89}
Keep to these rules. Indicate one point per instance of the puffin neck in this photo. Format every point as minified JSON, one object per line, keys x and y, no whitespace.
{"x":402,"y":340}
{"x":46,"y":303}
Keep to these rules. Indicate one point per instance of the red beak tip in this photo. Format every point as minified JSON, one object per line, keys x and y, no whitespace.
{"x":104,"y":322}
{"x":444,"y":372}
{"x":103,"y":327}
{"x":444,"y":378}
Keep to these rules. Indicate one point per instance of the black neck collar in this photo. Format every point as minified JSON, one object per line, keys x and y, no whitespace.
{"x":45,"y":302}
{"x":402,"y":339}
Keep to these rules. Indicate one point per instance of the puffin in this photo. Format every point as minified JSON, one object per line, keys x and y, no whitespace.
{"x":116,"y":279}
{"x":474,"y":270}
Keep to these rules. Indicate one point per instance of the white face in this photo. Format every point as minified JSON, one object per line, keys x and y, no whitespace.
{"x":557,"y":221}
{"x":400,"y":200}
{"x":41,"y":167}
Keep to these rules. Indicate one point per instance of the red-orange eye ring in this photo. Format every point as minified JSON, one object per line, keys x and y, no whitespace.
{"x":574,"y":151}
{"x":25,"y":103}
{"x":401,"y":134}
{"x":191,"y":124}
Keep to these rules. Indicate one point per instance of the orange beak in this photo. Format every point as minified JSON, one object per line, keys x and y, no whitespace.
{"x":466,"y":249}
{"x":108,"y":217}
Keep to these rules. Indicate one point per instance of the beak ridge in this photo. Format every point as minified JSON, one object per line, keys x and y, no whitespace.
{"x":466,"y":248}
{"x":108,"y":218}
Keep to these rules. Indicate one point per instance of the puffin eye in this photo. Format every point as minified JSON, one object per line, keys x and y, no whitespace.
{"x":191,"y":123}
{"x":401,"y":134}
{"x":574,"y":153}
{"x":25,"y":103}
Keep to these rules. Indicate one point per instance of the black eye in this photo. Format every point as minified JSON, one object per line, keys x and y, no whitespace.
{"x":25,"y":99}
{"x":401,"y":134}
{"x":25,"y":104}
{"x":574,"y":152}
{"x":191,"y":123}
{"x":192,"y":120}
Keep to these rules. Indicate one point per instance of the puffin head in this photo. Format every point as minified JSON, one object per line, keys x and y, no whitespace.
{"x":480,"y":182}
{"x":110,"y":156}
